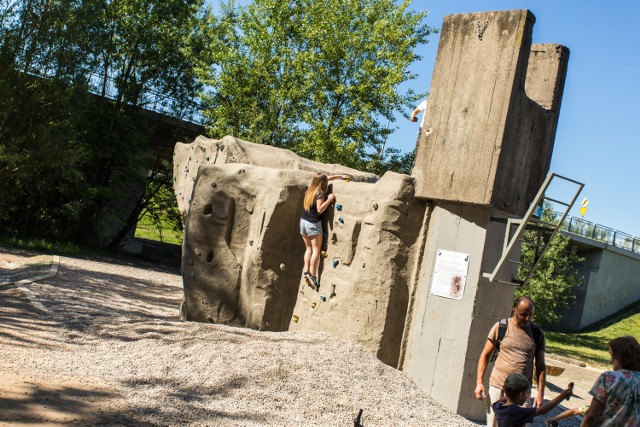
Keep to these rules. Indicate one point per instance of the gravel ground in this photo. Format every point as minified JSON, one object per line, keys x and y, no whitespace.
{"x":111,"y":331}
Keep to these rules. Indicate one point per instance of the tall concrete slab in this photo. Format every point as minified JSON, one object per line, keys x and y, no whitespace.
{"x":491,"y":122}
{"x":444,"y":336}
{"x":492,"y":115}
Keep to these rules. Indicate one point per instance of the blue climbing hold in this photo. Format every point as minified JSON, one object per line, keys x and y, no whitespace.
{"x":340,"y":220}
{"x":323,"y":298}
{"x":339,"y":207}
{"x":335,"y":262}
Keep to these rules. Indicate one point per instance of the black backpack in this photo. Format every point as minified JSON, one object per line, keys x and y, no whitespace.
{"x":502,"y":330}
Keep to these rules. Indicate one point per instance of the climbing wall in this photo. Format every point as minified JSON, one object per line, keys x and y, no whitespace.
{"x":365,"y":275}
{"x":243,"y":255}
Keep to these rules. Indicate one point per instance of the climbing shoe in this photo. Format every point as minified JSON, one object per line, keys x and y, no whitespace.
{"x":311,"y":281}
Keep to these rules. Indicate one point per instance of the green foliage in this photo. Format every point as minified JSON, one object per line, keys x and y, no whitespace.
{"x":318,"y":78}
{"x":551,"y":285}
{"x":159,"y":218}
{"x":164,"y":230}
{"x":68,"y":161}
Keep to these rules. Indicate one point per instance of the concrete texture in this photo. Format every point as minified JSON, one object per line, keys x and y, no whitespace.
{"x":242,"y":253}
{"x":494,"y":104}
{"x":611,"y":282}
{"x":445,"y":335}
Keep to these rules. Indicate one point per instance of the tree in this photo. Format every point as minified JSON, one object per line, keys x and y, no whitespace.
{"x":66,"y":158}
{"x":318,"y":78}
{"x":551,"y":285}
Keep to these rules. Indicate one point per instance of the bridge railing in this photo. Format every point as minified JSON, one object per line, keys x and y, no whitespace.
{"x":601,"y":233}
{"x":189,"y":111}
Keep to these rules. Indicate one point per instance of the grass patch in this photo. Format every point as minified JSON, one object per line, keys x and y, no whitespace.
{"x":147,"y":229}
{"x":54,"y":248}
{"x":590,"y":346}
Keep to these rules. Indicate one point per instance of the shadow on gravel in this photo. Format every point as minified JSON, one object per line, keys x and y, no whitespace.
{"x":29,"y":403}
{"x":21,"y":324}
{"x":191,"y":399}
{"x":84,"y":301}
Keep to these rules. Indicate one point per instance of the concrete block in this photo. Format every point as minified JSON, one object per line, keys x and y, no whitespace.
{"x":492,"y":113}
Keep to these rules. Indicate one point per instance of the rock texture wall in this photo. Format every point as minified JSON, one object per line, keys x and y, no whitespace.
{"x":243,"y":254}
{"x":372,"y":254}
{"x":187,"y":158}
{"x":492,"y":114}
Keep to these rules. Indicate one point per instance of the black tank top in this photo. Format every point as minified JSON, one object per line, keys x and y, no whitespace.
{"x":313,"y":215}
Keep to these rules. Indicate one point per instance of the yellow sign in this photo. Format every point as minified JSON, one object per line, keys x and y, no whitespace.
{"x":583,"y":209}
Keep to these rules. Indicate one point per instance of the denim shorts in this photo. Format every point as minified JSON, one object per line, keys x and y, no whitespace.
{"x":310,"y":228}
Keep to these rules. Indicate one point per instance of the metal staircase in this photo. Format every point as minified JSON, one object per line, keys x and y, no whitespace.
{"x":534,"y":220}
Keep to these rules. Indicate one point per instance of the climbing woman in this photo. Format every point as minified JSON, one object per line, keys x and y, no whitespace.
{"x":316,"y":201}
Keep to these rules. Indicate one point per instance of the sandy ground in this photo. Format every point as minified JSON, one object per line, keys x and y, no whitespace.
{"x":99,"y":343}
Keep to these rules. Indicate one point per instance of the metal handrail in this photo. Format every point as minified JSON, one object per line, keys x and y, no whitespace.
{"x":608,"y":235}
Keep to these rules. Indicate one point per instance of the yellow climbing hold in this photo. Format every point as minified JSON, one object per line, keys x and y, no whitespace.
{"x":295,"y":318}
{"x":314,"y":304}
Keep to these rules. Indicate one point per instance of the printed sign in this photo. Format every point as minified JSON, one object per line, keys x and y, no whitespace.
{"x":450,"y":274}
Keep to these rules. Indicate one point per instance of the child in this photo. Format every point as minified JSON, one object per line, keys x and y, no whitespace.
{"x":553,"y":421}
{"x":508,"y":411}
{"x":316,"y":202}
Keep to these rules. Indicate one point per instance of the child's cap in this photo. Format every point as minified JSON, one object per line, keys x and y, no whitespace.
{"x":516,"y":382}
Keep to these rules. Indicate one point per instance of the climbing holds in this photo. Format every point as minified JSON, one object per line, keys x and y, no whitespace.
{"x":295,"y":318}
{"x":323,"y":298}
{"x":340,"y":220}
{"x":207,"y":158}
{"x":314,"y":304}
{"x":335,"y":262}
{"x":324,"y":254}
{"x":283,"y":266}
{"x":339,"y":207}
{"x":375,"y":206}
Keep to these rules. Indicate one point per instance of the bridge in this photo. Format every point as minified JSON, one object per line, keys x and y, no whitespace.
{"x":610,"y":270}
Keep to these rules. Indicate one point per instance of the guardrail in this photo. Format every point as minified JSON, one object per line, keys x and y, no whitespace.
{"x":601,"y":233}
{"x":188,"y":111}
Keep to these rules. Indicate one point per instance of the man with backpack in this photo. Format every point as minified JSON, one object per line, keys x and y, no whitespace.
{"x":516,"y":345}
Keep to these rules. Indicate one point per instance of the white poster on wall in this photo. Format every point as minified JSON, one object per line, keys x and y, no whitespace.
{"x":450,"y":274}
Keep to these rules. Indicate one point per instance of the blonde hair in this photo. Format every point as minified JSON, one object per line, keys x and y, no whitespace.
{"x":319,"y":182}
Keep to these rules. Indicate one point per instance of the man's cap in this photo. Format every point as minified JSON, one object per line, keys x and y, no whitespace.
{"x":516,"y":382}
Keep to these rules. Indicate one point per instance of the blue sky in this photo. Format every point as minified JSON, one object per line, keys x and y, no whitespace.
{"x":597,"y":139}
